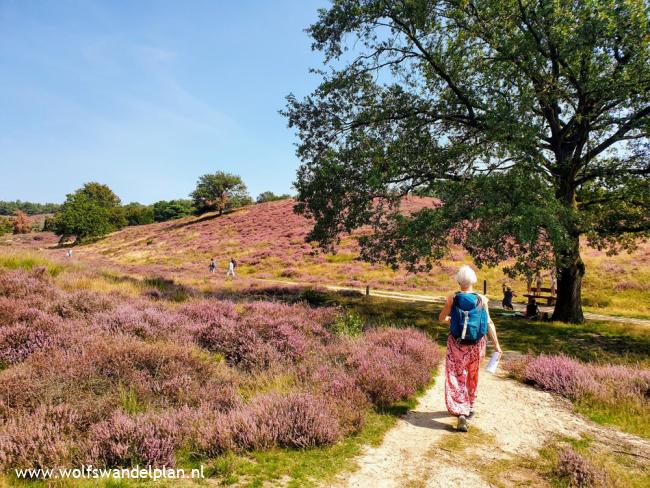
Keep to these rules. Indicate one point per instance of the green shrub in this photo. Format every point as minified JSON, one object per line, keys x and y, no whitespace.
{"x":49,"y":224}
{"x":6,"y":226}
{"x":348,"y":324}
{"x":315,"y":298}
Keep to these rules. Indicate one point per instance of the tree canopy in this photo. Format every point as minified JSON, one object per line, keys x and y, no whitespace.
{"x":219,"y":191}
{"x":172,"y":209}
{"x":138,"y":214}
{"x":90,"y":212}
{"x":529,"y":120}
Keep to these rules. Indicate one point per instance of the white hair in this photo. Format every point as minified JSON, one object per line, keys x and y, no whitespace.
{"x":466,"y":276}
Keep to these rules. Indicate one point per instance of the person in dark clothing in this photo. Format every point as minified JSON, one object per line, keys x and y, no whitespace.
{"x":507,"y":297}
{"x":532,"y":311}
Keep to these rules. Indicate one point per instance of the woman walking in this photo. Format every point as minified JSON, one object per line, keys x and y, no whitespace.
{"x":469,"y":319}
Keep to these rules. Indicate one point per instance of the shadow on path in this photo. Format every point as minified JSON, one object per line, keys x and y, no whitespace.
{"x":428,"y":420}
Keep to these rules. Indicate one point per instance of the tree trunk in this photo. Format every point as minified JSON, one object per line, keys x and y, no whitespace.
{"x":571,"y":270}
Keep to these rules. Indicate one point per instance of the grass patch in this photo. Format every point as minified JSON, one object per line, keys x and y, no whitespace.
{"x":28,"y":261}
{"x":459,"y":441}
{"x":630,"y":416}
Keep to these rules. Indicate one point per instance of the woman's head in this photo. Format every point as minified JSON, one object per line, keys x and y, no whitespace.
{"x":466,"y":277}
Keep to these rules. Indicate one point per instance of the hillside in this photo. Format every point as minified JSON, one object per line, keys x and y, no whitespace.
{"x":268,"y":242}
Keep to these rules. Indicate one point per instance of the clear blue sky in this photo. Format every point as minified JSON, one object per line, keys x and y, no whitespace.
{"x":145,"y":96}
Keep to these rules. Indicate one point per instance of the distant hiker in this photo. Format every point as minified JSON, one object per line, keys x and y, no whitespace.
{"x":538,"y":283}
{"x":532,"y":310}
{"x":529,"y":283}
{"x":212,"y":266}
{"x":507,"y":297}
{"x":553,"y":283}
{"x":231,"y":268}
{"x":469,"y":319}
{"x":68,"y":253}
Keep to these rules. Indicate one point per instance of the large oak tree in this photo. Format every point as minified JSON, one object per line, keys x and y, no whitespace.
{"x":530,"y":120}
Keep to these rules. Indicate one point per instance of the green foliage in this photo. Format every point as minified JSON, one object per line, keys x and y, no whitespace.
{"x":315,"y":298}
{"x":138,"y":214}
{"x":348,"y":324}
{"x":30,"y":208}
{"x":91,"y":212}
{"x":529,"y":120}
{"x":269,"y":196}
{"x":219,"y":191}
{"x":49,"y":224}
{"x":129,"y":400}
{"x":165,"y":210}
{"x":6,"y":226}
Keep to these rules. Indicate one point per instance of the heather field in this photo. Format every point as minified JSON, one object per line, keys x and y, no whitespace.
{"x":130,"y":352}
{"x":113,"y":379}
{"x":268,"y":242}
{"x":261,"y":383}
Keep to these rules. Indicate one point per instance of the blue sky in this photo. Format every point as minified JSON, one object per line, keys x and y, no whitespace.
{"x":145,"y":96}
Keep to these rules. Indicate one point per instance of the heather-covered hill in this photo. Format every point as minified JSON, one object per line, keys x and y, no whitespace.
{"x":268,"y":242}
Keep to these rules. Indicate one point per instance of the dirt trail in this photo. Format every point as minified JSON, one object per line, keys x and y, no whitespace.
{"x":512,"y":420}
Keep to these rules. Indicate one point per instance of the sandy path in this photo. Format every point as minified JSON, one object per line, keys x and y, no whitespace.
{"x":516,"y":419}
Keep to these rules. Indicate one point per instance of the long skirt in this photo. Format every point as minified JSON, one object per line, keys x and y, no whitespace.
{"x":461,"y":372}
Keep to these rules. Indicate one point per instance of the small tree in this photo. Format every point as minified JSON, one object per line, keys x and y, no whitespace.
{"x":90,"y":212}
{"x":219,"y":191}
{"x":21,"y":223}
{"x":269,"y":196}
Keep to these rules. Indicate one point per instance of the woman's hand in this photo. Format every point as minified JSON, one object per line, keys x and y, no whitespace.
{"x":497,"y":348}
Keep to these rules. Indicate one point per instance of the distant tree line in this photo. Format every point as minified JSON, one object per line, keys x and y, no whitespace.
{"x":30,"y":208}
{"x":94,"y":210}
{"x":269,"y":196}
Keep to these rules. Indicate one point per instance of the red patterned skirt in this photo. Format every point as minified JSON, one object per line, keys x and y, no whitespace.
{"x":461,"y":374}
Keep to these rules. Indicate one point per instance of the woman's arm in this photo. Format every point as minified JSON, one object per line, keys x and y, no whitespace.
{"x":444,"y":314}
{"x":492,"y":332}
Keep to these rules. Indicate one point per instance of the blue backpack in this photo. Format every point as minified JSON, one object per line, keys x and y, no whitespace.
{"x":469,"y":318}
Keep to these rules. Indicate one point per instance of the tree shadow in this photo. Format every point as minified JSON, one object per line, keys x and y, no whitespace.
{"x":428,"y":420}
{"x":157,"y":287}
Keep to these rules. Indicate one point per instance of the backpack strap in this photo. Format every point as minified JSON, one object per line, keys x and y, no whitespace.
{"x":466,"y":317}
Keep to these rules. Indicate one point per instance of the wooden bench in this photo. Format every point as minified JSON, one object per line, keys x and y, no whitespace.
{"x":537,"y":295}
